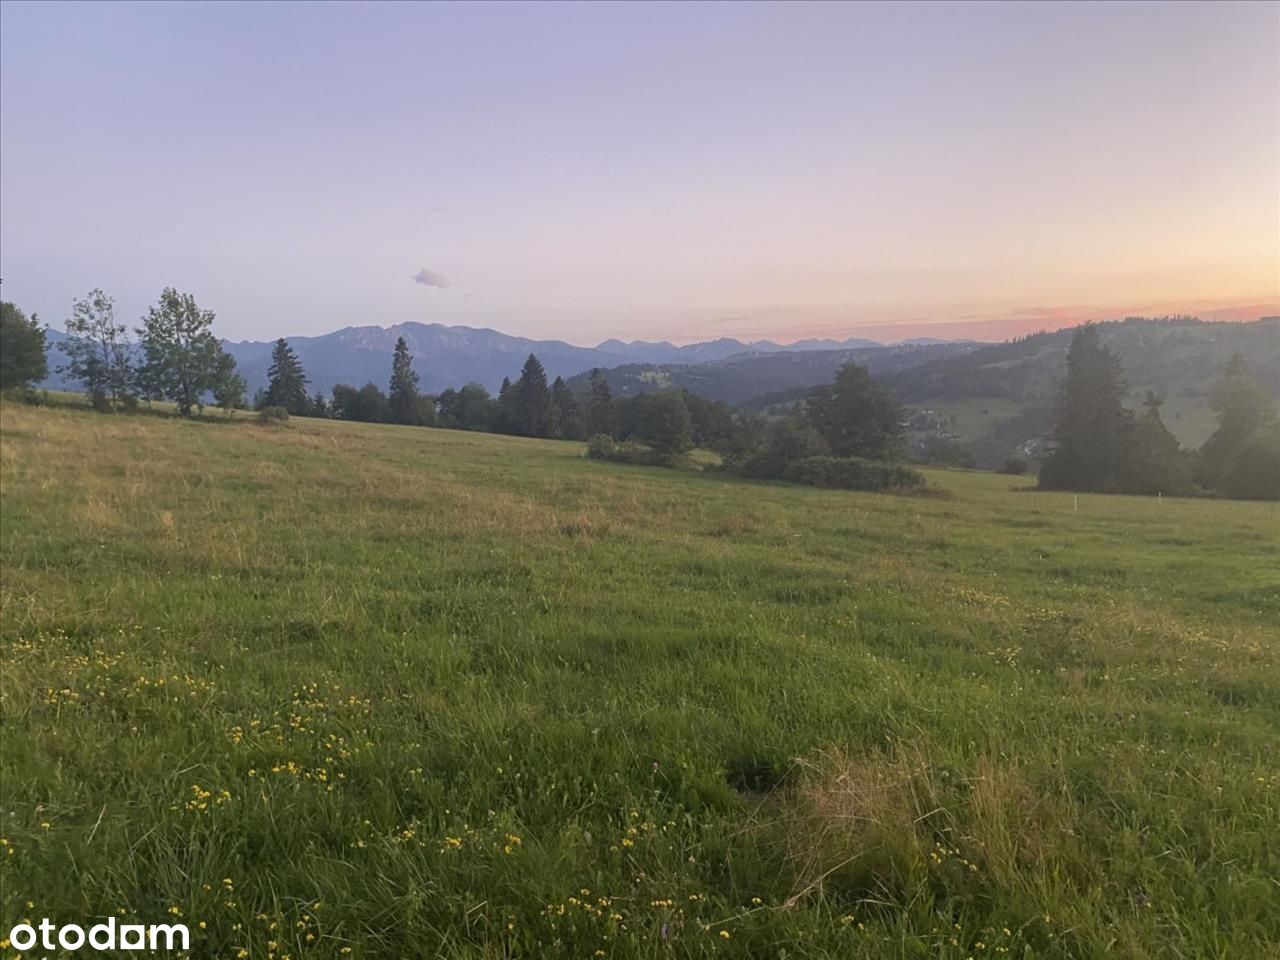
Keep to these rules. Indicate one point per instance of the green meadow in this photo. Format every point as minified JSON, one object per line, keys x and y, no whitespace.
{"x":342,"y":690}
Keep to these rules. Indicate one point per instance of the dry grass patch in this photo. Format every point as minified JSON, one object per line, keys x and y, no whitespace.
{"x":895,"y":826}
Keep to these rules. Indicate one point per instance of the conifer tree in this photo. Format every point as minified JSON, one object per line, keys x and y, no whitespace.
{"x":532,"y":400}
{"x":1242,"y":408}
{"x":286,"y":381}
{"x":402,"y":393}
{"x":1093,"y":424}
{"x":566,"y":415}
{"x":601,"y":416}
{"x":1152,"y":460}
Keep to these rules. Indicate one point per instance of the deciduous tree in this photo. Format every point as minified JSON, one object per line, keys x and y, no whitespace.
{"x":99,"y":353}
{"x":23,"y":357}
{"x":663,"y":423}
{"x":228,"y":386}
{"x":182,"y":354}
{"x":856,"y":416}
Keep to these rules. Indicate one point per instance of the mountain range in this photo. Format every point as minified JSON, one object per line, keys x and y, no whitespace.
{"x":453,"y":356}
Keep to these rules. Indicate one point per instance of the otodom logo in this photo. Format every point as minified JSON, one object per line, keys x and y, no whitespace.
{"x":108,"y":935}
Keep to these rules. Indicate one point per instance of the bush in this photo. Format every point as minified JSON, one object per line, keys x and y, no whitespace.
{"x":271,"y":416}
{"x":1014,"y":467}
{"x":28,"y":395}
{"x":603,"y":447}
{"x":600,"y":447}
{"x":787,"y":441}
{"x":853,"y":473}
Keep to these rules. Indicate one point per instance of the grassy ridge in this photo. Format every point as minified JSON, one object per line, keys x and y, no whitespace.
{"x":355,"y":690}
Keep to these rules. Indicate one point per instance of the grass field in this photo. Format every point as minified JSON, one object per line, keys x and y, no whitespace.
{"x":341,"y":690}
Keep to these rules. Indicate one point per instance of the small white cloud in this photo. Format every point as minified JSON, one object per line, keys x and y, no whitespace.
{"x":429,"y":278}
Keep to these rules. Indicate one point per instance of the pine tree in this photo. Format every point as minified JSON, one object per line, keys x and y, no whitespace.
{"x":1152,"y":460}
{"x":601,"y":416}
{"x":402,"y":394}
{"x":532,"y":402}
{"x":506,"y":416}
{"x":1093,"y":424}
{"x":1242,"y":408}
{"x":566,"y":416}
{"x":286,"y":381}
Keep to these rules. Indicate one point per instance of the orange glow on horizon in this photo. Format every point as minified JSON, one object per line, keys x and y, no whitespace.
{"x":995,"y":326}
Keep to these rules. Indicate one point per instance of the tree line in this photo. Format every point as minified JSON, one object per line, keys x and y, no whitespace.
{"x":843,"y":435}
{"x":853,"y":417}
{"x":176,"y":356}
{"x":1100,"y":445}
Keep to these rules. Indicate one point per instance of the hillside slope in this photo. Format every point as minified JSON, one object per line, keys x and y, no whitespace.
{"x":743,"y":377}
{"x":428,"y":693}
{"x":1175,"y":358}
{"x":1002,"y":396}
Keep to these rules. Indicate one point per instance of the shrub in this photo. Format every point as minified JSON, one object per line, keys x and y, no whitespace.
{"x":273,"y":415}
{"x":603,"y":447}
{"x":787,"y":441}
{"x":1014,"y":467}
{"x":28,"y":395}
{"x":600,"y":447}
{"x":853,"y":473}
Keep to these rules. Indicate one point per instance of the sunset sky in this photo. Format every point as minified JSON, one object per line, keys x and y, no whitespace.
{"x":662,"y":171}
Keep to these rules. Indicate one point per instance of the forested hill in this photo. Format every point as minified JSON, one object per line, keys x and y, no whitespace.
{"x":1180,"y":357}
{"x":740,"y":378}
{"x":1000,"y":399}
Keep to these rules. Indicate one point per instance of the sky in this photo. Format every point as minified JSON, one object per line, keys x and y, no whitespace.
{"x":654,"y":171}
